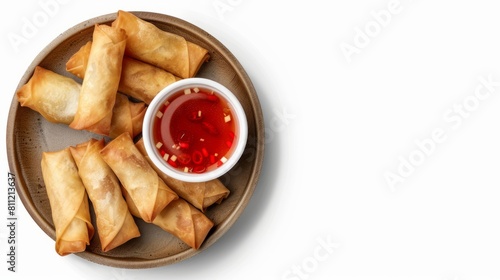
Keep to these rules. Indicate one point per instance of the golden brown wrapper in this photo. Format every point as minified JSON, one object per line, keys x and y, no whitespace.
{"x":127,"y":117}
{"x":102,"y":76}
{"x":180,"y":219}
{"x":115,"y":225}
{"x":53,"y":95}
{"x":148,"y":191}
{"x":201,"y":195}
{"x":166,"y":50}
{"x":139,"y":80}
{"x":143,"y":81}
{"x":77,"y":63}
{"x":68,"y":202}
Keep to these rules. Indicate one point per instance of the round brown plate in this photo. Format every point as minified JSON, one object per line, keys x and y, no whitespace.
{"x":29,"y":134}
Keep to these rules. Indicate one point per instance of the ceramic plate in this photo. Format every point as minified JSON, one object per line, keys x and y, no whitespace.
{"x":29,"y":134}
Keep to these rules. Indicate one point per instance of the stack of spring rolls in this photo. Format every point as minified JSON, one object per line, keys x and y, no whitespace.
{"x":122,"y":68}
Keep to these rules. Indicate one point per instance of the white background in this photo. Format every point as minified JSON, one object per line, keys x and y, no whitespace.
{"x":338,"y":122}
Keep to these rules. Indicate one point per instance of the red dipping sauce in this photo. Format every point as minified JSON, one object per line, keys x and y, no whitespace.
{"x":194,"y":130}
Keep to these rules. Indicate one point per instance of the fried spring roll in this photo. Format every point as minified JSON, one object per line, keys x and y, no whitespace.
{"x":127,"y":117}
{"x":115,"y":225}
{"x":149,"y":193}
{"x":102,"y":76}
{"x":201,"y":195}
{"x":180,"y":219}
{"x":68,"y":202}
{"x":171,"y":52}
{"x":55,"y":97}
{"x":139,"y":80}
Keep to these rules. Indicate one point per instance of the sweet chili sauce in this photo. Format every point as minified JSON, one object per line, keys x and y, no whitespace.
{"x":194,"y":130}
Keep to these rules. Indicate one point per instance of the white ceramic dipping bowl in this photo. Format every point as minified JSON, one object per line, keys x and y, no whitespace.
{"x":237,"y":115}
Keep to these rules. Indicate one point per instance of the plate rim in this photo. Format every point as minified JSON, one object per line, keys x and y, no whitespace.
{"x":21,"y":185}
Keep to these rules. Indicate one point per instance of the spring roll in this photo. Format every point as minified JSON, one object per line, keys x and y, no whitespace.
{"x":149,"y":193}
{"x":180,"y":219}
{"x":55,"y":97}
{"x":139,"y":80}
{"x":68,"y":202}
{"x":102,"y":76}
{"x":115,"y":225}
{"x":77,"y":63}
{"x":127,"y":117}
{"x":201,"y":195}
{"x":166,"y":50}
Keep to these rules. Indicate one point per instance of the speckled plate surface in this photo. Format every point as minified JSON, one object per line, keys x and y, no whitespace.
{"x":29,"y":134}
